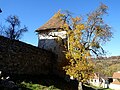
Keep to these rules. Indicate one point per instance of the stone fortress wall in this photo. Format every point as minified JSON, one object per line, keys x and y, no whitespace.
{"x":17,"y":57}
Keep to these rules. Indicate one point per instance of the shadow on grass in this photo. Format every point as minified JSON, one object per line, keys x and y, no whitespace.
{"x":17,"y":88}
{"x":88,"y":88}
{"x":46,"y":80}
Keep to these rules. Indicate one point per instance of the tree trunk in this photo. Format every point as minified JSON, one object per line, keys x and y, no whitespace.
{"x":80,"y":86}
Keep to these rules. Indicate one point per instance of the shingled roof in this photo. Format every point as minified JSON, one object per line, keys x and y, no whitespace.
{"x":54,"y":23}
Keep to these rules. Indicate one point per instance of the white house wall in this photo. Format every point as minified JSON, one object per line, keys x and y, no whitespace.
{"x":52,"y":35}
{"x":48,"y":41}
{"x":96,"y":82}
{"x":114,"y":86}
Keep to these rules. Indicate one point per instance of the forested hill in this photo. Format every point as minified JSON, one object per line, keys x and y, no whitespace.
{"x":107,"y":66}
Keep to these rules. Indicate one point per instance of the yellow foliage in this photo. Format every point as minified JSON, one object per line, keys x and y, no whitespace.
{"x":65,"y":26}
{"x":76,"y":19}
{"x":80,"y":26}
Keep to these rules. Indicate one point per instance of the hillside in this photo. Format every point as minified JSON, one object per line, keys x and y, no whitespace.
{"x":107,"y":66}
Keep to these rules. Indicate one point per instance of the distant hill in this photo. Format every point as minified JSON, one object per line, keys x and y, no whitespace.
{"x":107,"y":66}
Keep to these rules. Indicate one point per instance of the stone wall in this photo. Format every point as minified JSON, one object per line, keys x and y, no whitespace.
{"x":17,"y":57}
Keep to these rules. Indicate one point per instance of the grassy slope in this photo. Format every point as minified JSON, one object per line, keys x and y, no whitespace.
{"x":107,"y":66}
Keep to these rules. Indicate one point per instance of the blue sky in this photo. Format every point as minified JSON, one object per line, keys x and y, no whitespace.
{"x":34,"y":13}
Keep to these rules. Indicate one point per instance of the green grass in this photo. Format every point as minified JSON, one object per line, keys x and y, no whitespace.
{"x":98,"y":88}
{"x":106,"y":89}
{"x":32,"y":86}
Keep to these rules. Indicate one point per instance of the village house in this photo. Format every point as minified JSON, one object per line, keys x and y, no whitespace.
{"x":99,"y":80}
{"x":116,"y":81}
{"x":52,"y":37}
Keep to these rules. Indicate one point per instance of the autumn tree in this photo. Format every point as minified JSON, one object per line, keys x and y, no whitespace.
{"x":14,"y":30}
{"x":85,"y":39}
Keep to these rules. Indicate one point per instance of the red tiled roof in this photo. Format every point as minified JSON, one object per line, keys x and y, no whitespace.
{"x":116,"y":75}
{"x":116,"y":82}
{"x":54,"y":23}
{"x":100,"y":76}
{"x":96,"y":75}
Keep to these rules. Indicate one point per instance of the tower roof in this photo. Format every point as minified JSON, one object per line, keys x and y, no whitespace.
{"x":54,"y":23}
